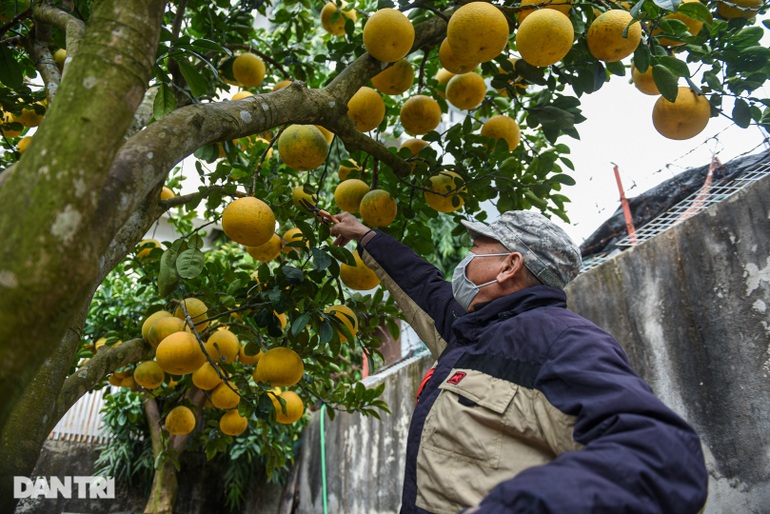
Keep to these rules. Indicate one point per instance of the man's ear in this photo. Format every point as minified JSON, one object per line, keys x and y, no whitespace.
{"x":512,"y":266}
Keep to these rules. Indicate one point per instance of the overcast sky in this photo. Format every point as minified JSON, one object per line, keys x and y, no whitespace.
{"x":619,"y":129}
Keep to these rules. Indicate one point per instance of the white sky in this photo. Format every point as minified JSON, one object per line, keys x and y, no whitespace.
{"x":619,"y":129}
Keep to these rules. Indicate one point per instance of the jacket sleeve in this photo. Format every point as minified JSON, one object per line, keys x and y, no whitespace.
{"x":638,"y":455}
{"x":418,"y":287}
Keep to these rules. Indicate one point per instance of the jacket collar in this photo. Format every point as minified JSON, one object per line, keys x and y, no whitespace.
{"x":515,"y":303}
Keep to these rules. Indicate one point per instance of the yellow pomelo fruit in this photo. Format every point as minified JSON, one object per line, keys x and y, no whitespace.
{"x":328,"y":134}
{"x":7,"y":131}
{"x":240,"y":95}
{"x":180,"y":420}
{"x":247,"y":359}
{"x":477,"y":31}
{"x":466,"y":91}
{"x":446,"y":185}
{"x":268,"y":251}
{"x":415,"y":145}
{"x":684,"y":118}
{"x":23,"y":143}
{"x":502,"y":127}
{"x":644,"y":81}
{"x":451,"y":62}
{"x":545,"y":37}
{"x":206,"y":378}
{"x":366,"y":108}
{"x":149,"y":375}
{"x":562,"y":6}
{"x":282,"y":319}
{"x":395,"y":79}
{"x":146,"y":246}
{"x":303,"y":147}
{"x":162,"y":328}
{"x":232,"y":423}
{"x":223,"y":397}
{"x":693,"y":26}
{"x":150,"y":321}
{"x":223,"y":346}
{"x":60,"y":56}
{"x":179,"y":354}
{"x":336,"y":27}
{"x":388,"y":35}
{"x":128,"y":382}
{"x":30,"y":117}
{"x":749,"y":11}
{"x":442,"y":77}
{"x":359,"y":277}
{"x":349,"y":193}
{"x":378,"y":208}
{"x":294,"y":407}
{"x":280,"y":366}
{"x":248,"y":221}
{"x":299,"y":196}
{"x":249,"y":70}
{"x":166,"y":193}
{"x":346,"y":315}
{"x":343,"y":172}
{"x":115,"y":380}
{"x":420,"y":114}
{"x":293,"y":235}
{"x":280,"y":85}
{"x":605,"y":36}
{"x":102,"y":341}
{"x":518,"y":83}
{"x":197,"y":310}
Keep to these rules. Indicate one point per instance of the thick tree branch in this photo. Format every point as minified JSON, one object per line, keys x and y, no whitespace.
{"x":46,"y":66}
{"x":104,"y":362}
{"x":71,"y":26}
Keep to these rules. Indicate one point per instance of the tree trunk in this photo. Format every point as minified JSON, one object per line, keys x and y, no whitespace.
{"x":164,"y":481}
{"x":50,"y":254}
{"x":164,"y":489}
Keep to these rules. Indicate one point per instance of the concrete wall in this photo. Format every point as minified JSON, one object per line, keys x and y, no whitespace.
{"x":690,"y":308}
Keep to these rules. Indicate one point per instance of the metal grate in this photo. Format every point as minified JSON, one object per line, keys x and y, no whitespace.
{"x":596,"y":260}
{"x":708,"y":195}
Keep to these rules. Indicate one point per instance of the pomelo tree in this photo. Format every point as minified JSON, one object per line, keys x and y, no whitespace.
{"x":102,"y":101}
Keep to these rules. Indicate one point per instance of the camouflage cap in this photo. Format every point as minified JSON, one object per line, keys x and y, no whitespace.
{"x":548,"y":251}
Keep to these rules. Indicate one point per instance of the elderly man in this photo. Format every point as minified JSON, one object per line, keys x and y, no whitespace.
{"x":529,"y":407}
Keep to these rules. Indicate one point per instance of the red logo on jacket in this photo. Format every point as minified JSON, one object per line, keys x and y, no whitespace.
{"x":455,"y":379}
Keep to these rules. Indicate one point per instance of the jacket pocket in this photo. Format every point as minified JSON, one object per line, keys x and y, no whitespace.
{"x":467,"y":419}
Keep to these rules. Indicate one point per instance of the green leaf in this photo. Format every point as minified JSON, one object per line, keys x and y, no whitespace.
{"x":190,"y":263}
{"x":696,"y":11}
{"x":300,"y":323}
{"x":164,"y":102}
{"x":168,"y":278}
{"x":204,"y":45}
{"x":11,"y":73}
{"x":666,"y":81}
{"x":197,"y":82}
{"x":742,"y":113}
{"x":326,"y":332}
{"x":616,"y":68}
{"x":563,"y":178}
{"x":669,"y":5}
{"x":674,"y":65}
{"x":642,"y":58}
{"x":321,"y":259}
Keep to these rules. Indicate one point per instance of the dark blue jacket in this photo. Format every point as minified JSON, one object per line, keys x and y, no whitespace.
{"x":531,"y":408}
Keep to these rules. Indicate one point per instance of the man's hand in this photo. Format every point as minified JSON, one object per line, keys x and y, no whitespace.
{"x":345,"y":227}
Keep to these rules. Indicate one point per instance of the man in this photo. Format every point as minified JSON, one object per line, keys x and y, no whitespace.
{"x":529,"y":407}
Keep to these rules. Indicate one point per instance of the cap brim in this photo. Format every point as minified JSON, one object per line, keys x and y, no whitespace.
{"x":476,"y":229}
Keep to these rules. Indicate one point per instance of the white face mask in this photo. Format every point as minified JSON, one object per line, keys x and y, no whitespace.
{"x":463,"y":289}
